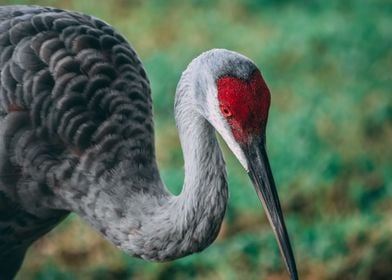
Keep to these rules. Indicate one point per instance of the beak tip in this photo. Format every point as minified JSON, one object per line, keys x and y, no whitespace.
{"x":262,"y":178}
{"x":294,"y":274}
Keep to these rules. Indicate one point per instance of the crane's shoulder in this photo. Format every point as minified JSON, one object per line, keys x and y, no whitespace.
{"x":71,"y":72}
{"x":71,"y":87}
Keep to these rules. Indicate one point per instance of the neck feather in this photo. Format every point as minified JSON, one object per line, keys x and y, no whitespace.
{"x":204,"y":195}
{"x":189,"y":222}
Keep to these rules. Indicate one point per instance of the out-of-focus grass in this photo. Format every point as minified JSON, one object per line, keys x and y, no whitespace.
{"x":328,"y":65}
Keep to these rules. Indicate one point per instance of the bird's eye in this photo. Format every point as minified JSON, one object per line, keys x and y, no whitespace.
{"x":225,"y":111}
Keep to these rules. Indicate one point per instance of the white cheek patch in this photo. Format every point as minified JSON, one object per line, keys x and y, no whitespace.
{"x":221,"y":125}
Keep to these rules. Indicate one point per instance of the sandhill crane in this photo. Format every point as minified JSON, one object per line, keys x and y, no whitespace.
{"x":77,"y":135}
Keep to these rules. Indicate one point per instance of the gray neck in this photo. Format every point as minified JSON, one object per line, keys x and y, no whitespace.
{"x":189,"y":222}
{"x":204,"y":195}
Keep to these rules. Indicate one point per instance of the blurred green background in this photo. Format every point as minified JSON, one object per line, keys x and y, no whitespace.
{"x":328,"y":65}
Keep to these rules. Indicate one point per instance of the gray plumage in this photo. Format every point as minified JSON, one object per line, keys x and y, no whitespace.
{"x":77,"y":135}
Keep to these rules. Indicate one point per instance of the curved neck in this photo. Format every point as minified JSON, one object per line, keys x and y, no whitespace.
{"x":189,"y":222}
{"x":204,"y":194}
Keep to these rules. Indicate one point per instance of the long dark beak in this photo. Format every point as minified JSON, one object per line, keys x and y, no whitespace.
{"x":263,"y":181}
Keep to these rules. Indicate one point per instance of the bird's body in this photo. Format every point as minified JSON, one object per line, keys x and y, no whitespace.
{"x":77,"y":135}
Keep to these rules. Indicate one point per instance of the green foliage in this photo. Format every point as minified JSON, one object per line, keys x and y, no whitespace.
{"x":328,"y":65}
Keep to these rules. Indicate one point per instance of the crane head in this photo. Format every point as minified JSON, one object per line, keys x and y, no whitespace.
{"x":238,"y":109}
